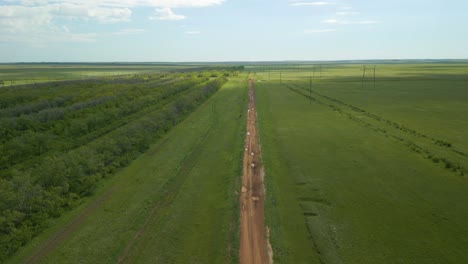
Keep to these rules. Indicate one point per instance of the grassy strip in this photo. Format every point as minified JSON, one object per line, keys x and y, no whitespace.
{"x":288,"y":232}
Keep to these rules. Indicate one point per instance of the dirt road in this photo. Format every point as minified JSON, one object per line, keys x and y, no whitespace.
{"x":253,"y":247}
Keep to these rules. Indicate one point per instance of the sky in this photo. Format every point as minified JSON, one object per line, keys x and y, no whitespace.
{"x":231,"y":30}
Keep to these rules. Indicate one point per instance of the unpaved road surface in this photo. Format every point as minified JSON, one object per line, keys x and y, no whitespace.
{"x":253,"y":247}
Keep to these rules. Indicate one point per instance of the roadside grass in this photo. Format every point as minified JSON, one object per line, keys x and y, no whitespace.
{"x":289,"y":237}
{"x":340,"y":192}
{"x":190,"y":178}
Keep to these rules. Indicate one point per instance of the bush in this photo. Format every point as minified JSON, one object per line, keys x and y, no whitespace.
{"x":56,"y":181}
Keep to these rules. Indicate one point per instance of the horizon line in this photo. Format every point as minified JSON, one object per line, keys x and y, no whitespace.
{"x":224,"y":61}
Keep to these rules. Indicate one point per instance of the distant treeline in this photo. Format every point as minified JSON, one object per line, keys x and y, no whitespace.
{"x":58,"y":140}
{"x":222,"y":70}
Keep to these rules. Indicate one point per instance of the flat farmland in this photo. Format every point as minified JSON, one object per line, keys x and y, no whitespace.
{"x":176,"y":203}
{"x":66,"y":194}
{"x":337,"y":166}
{"x":357,"y":174}
{"x":33,"y":73}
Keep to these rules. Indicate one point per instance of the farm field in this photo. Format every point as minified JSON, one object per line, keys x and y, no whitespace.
{"x":57,"y":152}
{"x":152,"y":167}
{"x":33,"y":73}
{"x":357,"y":174}
{"x":220,"y":131}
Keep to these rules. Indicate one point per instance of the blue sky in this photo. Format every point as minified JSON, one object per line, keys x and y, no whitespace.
{"x":231,"y":30}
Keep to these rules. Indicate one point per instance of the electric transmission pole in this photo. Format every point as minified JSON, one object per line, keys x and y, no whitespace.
{"x":310,"y":89}
{"x":320,"y":67}
{"x":363,"y":75}
{"x":374,"y":75}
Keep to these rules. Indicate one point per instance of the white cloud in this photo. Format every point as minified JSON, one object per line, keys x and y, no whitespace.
{"x":43,"y":17}
{"x":347,"y":22}
{"x":311,"y":3}
{"x":72,"y":10}
{"x":129,"y":31}
{"x":174,"y":3}
{"x":192,"y":32}
{"x":366,"y":22}
{"x":343,"y":17}
{"x":21,"y":19}
{"x":309,"y":31}
{"x":16,"y":18}
{"x":110,"y":15}
{"x":42,"y":38}
{"x":166,"y":14}
{"x":123,"y":3}
{"x":347,"y":13}
{"x":331,"y":21}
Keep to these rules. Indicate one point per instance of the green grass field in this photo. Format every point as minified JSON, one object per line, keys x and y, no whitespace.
{"x":181,"y":194}
{"x":356,"y":172}
{"x":352,"y":175}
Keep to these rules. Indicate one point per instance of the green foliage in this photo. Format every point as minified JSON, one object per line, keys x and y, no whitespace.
{"x":191,"y":176}
{"x":55,"y":150}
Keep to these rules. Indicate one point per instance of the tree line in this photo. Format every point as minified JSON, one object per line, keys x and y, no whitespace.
{"x":77,"y":133}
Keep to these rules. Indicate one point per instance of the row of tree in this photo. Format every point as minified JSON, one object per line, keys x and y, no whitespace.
{"x":34,"y":191}
{"x":64,"y":127}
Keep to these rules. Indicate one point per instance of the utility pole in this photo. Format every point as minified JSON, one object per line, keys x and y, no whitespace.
{"x":310,"y":89}
{"x":320,"y":72}
{"x":314,"y":72}
{"x":363,"y":75}
{"x":374,"y":75}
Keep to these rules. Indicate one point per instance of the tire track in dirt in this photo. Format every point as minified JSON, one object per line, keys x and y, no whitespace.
{"x":253,"y":245}
{"x":164,"y":203}
{"x":63,"y":234}
{"x":67,"y":231}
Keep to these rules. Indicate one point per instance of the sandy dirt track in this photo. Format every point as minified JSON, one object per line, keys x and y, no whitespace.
{"x":253,"y":247}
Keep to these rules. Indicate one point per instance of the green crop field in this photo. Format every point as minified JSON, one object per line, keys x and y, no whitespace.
{"x":358,"y":173}
{"x":233,"y":132}
{"x":142,"y":163}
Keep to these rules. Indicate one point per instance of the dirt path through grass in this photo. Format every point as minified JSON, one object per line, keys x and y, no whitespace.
{"x":253,"y":247}
{"x":50,"y":244}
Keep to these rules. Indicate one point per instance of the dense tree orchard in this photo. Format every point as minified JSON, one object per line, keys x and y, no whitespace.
{"x":58,"y":140}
